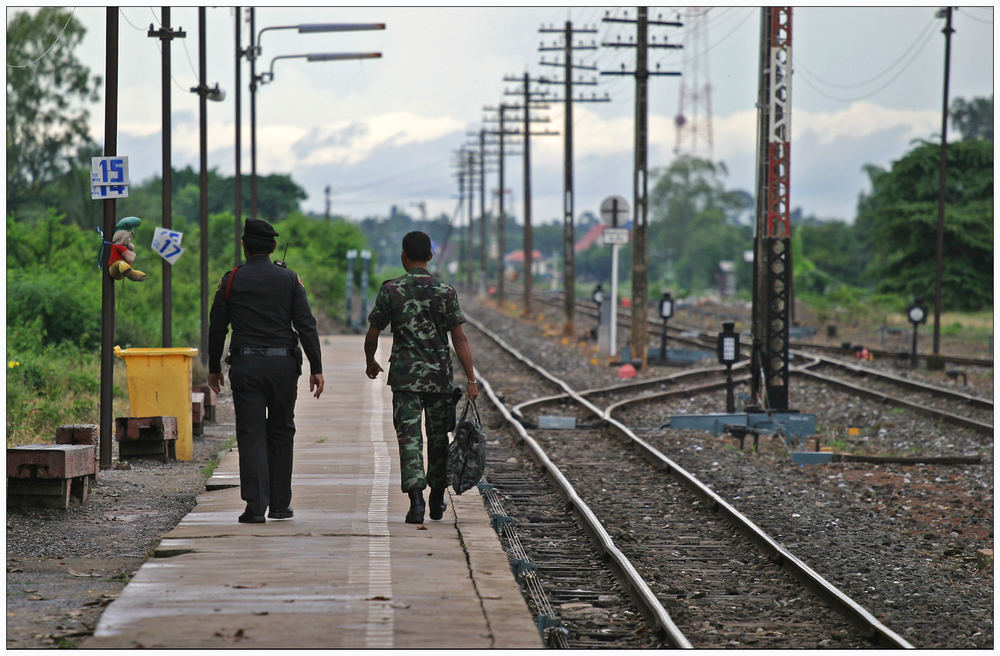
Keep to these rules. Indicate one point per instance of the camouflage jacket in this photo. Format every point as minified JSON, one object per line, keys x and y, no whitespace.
{"x":422,"y":311}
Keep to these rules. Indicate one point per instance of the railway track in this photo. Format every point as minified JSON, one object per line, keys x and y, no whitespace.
{"x":679,"y":332}
{"x":717,"y":577}
{"x":948,"y":405}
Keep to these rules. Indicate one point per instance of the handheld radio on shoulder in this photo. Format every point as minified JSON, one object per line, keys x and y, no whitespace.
{"x":281,"y":262}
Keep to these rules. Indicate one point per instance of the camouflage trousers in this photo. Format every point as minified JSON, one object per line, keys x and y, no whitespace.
{"x":407,"y":410}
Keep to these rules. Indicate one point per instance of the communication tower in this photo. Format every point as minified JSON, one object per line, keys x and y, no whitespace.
{"x":694,"y":105}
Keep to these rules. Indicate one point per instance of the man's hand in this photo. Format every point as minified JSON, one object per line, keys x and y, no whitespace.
{"x":216,"y":382}
{"x":472,"y":389}
{"x":316,"y":383}
{"x":373,"y":369}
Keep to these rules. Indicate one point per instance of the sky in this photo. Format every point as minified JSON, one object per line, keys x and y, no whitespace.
{"x":381,"y":132}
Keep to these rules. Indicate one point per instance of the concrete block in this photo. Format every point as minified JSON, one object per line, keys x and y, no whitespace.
{"x":50,"y":461}
{"x":197,"y":413}
{"x":145,"y":428}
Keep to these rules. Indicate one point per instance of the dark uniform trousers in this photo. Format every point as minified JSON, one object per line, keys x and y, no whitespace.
{"x":407,"y":410}
{"x":264,"y":392}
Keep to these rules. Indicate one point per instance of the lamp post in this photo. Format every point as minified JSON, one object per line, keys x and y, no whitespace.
{"x":728,"y":351}
{"x":917,"y":314}
{"x":666,"y":311}
{"x":254,"y":51}
{"x":205,"y":93}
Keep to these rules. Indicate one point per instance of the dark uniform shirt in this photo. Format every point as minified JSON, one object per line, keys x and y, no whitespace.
{"x":422,"y":311}
{"x":265,"y":302}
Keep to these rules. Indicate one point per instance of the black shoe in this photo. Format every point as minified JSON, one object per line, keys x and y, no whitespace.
{"x":437,"y":503}
{"x":248,"y":518}
{"x":416,"y":513}
{"x":281,"y":514}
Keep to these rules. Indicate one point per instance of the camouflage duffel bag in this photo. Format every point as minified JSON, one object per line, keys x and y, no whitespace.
{"x":467,"y":452}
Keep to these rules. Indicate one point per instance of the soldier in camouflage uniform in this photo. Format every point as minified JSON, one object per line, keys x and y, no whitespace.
{"x":422,"y":310}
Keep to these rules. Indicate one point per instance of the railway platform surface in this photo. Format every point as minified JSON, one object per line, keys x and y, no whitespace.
{"x":346,"y":571}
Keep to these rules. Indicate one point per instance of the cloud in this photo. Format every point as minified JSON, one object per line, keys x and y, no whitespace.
{"x":289,"y":147}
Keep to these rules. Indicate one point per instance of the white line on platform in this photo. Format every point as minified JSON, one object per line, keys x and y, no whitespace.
{"x":379,"y":628}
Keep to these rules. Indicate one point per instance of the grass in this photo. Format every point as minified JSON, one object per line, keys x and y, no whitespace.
{"x":209,"y":468}
{"x":56,"y":387}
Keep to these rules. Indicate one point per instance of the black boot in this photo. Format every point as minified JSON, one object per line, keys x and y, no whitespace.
{"x":437,"y":503}
{"x":416,"y":514}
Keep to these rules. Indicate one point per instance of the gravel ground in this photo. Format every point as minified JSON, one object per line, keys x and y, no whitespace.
{"x":65,"y":566}
{"x":912,"y":543}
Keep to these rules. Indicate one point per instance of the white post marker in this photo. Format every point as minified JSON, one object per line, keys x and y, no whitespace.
{"x":108,"y":177}
{"x":614,"y":208}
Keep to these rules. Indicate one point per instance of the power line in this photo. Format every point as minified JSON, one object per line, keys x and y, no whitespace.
{"x":971,"y":17}
{"x":923,"y":33}
{"x":52,"y":45}
{"x":805,"y":78}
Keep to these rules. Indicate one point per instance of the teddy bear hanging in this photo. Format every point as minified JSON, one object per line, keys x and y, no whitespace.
{"x":122,"y":251}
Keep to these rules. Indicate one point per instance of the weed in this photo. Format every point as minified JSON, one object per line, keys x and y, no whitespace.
{"x":209,"y":467}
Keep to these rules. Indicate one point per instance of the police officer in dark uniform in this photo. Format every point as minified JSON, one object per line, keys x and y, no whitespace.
{"x":263,"y":301}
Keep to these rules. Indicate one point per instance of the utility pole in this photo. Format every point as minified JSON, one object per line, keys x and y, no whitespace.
{"x":482,"y":211}
{"x":569,"y":241}
{"x":165,"y":35}
{"x":501,"y":133}
{"x":107,"y":284}
{"x":326,"y":190}
{"x":530,"y":100}
{"x":238,"y":178}
{"x":252,"y":56}
{"x":478,"y":165}
{"x":202,"y":91}
{"x":470,"y":167}
{"x":204,"y":95}
{"x":772,"y":242}
{"x":639,"y":177}
{"x":942,"y":178}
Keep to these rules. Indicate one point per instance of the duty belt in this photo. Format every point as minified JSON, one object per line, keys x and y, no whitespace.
{"x":264,"y":351}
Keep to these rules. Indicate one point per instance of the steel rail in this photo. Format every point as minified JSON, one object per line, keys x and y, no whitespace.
{"x":885,"y":398}
{"x":637,"y":588}
{"x":625,"y":316}
{"x":936,"y":390}
{"x":623,"y":387}
{"x":853,"y":611}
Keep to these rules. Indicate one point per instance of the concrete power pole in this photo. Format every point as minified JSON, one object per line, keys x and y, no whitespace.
{"x":501,"y":133}
{"x":530,"y":100}
{"x":567,"y":47}
{"x":639,"y":178}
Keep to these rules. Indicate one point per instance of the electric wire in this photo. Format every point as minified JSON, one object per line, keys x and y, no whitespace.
{"x":806,"y":79}
{"x":52,"y":45}
{"x":921,"y":35}
{"x":526,"y":572}
{"x":966,"y":13}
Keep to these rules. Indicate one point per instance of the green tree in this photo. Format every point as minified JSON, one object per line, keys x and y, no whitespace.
{"x":898,"y":224}
{"x":47,"y":88}
{"x":973,"y":119}
{"x":827,"y":252}
{"x":696,"y":222}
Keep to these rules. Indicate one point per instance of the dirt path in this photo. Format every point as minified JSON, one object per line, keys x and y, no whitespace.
{"x":64,"y":567}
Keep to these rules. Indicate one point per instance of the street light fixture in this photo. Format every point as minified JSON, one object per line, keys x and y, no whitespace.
{"x":728,"y":352}
{"x":254,"y":51}
{"x":916,"y":314}
{"x":666,"y":311}
{"x":264,"y":78}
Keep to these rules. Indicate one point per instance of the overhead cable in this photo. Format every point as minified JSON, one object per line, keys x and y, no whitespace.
{"x":52,"y":45}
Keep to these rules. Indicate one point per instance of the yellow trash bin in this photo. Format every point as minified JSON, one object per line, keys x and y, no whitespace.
{"x":159,"y":384}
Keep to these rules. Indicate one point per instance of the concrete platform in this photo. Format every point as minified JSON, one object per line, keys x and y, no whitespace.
{"x":346,"y":572}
